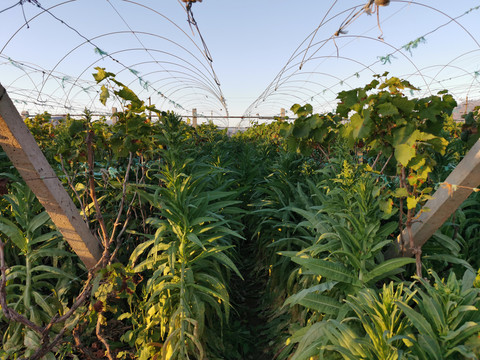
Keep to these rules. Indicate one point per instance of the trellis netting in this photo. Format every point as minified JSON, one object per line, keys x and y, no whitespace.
{"x":49,"y":50}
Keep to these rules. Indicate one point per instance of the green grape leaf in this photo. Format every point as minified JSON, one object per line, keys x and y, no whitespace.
{"x":403,"y":104}
{"x":400,"y":192}
{"x":387,"y":109}
{"x":361,"y":125}
{"x":404,"y":153}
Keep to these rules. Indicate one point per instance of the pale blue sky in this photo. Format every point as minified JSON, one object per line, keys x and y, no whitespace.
{"x":250,"y":42}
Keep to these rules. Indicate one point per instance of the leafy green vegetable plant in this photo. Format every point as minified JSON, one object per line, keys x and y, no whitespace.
{"x":310,"y":132}
{"x":40,"y":279}
{"x":378,"y":329}
{"x":421,"y":321}
{"x":445,"y":317}
{"x":188,"y":257}
{"x":384,"y":121}
{"x":345,"y":251}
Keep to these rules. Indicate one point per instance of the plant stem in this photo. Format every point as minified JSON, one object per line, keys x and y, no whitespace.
{"x":70,"y":183}
{"x":3,"y":281}
{"x":386,"y":163}
{"x":11,"y":314}
{"x":376,"y":160}
{"x":98,"y":331}
{"x":28,"y":284}
{"x":408,"y":225}
{"x":78,"y":344}
{"x":46,"y":347}
{"x":93,"y":194}
{"x":122,"y":202}
{"x":182,"y":298}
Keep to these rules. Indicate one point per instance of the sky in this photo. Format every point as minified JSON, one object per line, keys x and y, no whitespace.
{"x":153,"y":49}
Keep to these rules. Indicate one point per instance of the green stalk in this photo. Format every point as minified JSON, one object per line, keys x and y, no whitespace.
{"x":182,"y":298}
{"x":28,"y":284}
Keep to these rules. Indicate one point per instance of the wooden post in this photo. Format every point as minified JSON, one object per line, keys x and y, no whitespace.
{"x":466,"y":176}
{"x":150,"y":111}
{"x":282,"y":114}
{"x":194,"y":118}
{"x":22,"y":149}
{"x":114,"y":117}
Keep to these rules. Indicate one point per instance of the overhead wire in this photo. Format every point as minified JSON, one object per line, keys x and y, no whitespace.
{"x":221,"y":97}
{"x":84,"y":37}
{"x":191,"y":20}
{"x":284,"y":76}
{"x":103,"y":53}
{"x":287,"y":78}
{"x":135,"y":35}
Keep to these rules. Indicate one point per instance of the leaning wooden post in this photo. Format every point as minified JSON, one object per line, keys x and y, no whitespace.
{"x":194,"y":118}
{"x":465,"y":176}
{"x":22,"y":149}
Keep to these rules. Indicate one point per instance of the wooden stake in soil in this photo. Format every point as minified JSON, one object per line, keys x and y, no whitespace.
{"x":22,"y":149}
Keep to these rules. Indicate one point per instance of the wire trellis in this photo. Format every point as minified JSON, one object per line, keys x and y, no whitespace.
{"x":165,"y":59}
{"x":151,"y":53}
{"x":434,"y":52}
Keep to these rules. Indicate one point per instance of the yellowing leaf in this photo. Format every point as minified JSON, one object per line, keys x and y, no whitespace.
{"x":104,"y":95}
{"x":417,"y":163}
{"x":423,"y":172}
{"x":101,"y":74}
{"x":386,"y":206}
{"x":411,"y":202}
{"x":412,"y":179}
{"x":426,"y":136}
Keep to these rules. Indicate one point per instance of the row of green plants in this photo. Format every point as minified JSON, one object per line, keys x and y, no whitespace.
{"x":269,"y":244}
{"x":329,"y":274}
{"x":167,"y":215}
{"x":328,"y":229}
{"x":166,"y":283}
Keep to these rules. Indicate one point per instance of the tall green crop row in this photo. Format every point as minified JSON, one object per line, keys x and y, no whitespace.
{"x":335,"y":223}
{"x":40,"y":280}
{"x":188,"y":263}
{"x":266,"y":245}
{"x":166,"y":212}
